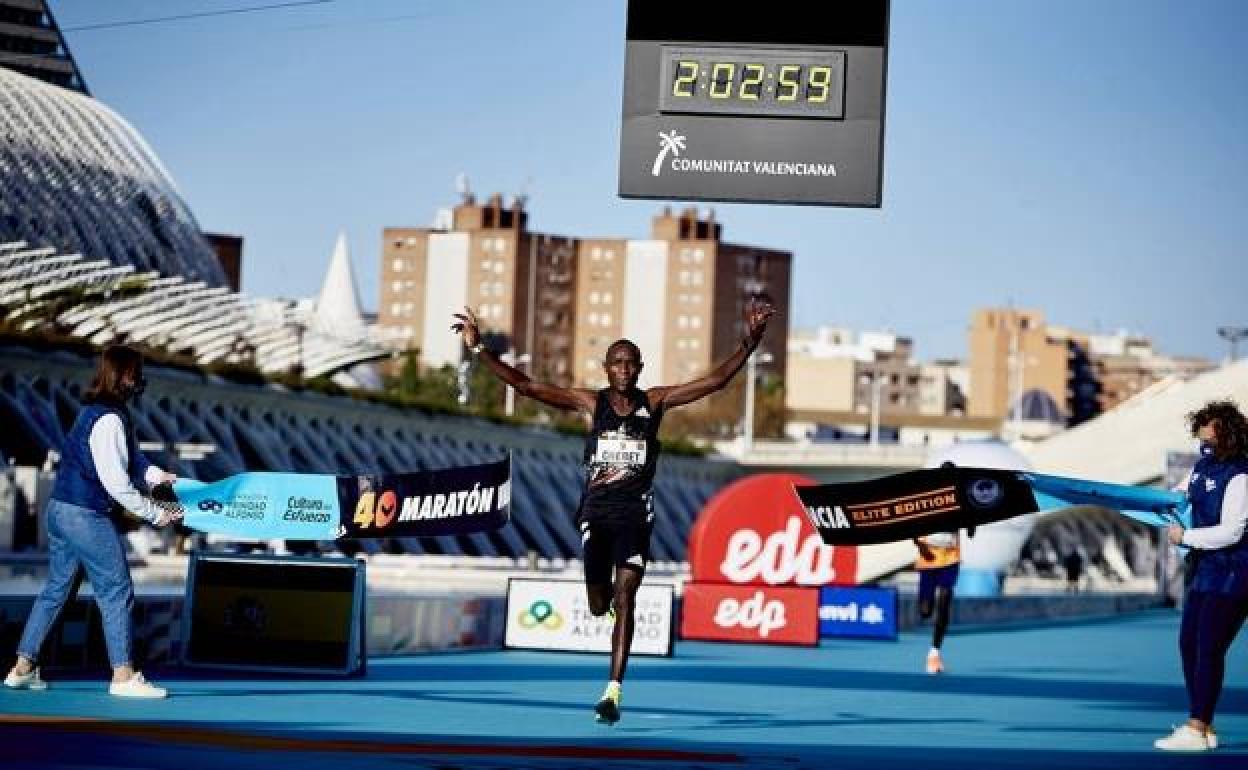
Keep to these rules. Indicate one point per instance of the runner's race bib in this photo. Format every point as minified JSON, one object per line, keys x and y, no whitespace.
{"x":620,"y":451}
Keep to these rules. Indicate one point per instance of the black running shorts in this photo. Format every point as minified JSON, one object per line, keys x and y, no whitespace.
{"x":613,"y":543}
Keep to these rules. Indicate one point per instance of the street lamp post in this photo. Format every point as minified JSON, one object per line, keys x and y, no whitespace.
{"x":511,"y":359}
{"x":751,"y":374}
{"x":877,"y":381}
{"x":1233,"y":334}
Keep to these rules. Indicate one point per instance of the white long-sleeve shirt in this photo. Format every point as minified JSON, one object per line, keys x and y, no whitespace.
{"x":1230,"y":526}
{"x":111,"y":458}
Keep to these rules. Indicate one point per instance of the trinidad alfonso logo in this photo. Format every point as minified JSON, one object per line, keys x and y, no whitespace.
{"x":670,"y":142}
{"x":541,"y":613}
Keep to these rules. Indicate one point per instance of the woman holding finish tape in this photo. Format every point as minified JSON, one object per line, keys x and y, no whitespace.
{"x":101,"y":469}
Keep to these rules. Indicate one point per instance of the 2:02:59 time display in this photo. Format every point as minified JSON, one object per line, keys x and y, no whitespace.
{"x":754,"y":83}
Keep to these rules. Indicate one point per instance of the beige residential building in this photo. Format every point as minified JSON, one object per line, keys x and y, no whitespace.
{"x":1013,"y":351}
{"x":679,"y":295}
{"x":482,"y":256}
{"x":1127,"y":364}
{"x":835,"y":370}
{"x":942,"y":387}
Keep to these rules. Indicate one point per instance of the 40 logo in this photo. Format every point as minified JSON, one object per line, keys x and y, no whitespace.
{"x":541,"y":613}
{"x":376,"y":510}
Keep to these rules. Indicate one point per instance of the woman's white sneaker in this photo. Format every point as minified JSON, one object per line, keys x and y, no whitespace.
{"x":1183,"y":738}
{"x":27,"y":681}
{"x":136,"y":687}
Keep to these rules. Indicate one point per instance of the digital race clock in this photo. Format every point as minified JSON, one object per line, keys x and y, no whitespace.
{"x":784,"y":106}
{"x":753,"y":81}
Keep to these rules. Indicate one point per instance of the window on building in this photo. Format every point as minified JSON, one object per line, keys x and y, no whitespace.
{"x":397,"y":265}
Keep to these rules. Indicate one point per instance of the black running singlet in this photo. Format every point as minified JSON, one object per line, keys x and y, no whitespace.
{"x":621,"y":457}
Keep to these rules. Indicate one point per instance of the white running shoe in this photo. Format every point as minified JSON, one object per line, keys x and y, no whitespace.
{"x":29,"y":681}
{"x":137,"y":687}
{"x":1184,"y":738}
{"x":1211,"y":737}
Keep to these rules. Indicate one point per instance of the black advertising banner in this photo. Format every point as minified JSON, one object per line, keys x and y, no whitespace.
{"x":915,"y":503}
{"x":452,"y":501}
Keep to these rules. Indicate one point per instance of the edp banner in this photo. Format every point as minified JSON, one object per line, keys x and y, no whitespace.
{"x":863,"y":613}
{"x":554,"y":615}
{"x":761,"y":614}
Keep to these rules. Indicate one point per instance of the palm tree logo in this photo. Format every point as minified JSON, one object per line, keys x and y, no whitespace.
{"x":669,"y":142}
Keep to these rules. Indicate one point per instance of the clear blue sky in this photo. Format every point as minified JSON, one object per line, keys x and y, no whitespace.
{"x":1088,"y":159}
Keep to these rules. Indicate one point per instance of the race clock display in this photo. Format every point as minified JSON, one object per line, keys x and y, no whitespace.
{"x":752,"y":81}
{"x":783,"y":104}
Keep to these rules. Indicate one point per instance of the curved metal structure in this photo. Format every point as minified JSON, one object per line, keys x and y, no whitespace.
{"x":75,"y":176}
{"x":40,"y":289}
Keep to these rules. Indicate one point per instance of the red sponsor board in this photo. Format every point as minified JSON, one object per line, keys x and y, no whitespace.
{"x":755,"y":532}
{"x":747,"y":613}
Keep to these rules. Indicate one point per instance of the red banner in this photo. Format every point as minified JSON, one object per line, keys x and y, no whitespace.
{"x":741,"y":613}
{"x":755,"y":532}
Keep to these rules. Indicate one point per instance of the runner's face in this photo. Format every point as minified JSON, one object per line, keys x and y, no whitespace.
{"x":623,"y":367}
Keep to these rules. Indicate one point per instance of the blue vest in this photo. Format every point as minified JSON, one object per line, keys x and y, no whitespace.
{"x":1221,"y":570}
{"x":77,"y":483}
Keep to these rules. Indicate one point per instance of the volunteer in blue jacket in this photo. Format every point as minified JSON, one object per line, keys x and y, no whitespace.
{"x":1217,"y":598}
{"x":101,"y":468}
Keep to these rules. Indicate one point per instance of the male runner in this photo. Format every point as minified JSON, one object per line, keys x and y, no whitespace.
{"x":940,"y":555}
{"x":616,"y":514}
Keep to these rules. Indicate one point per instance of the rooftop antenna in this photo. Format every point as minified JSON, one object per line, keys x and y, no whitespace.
{"x":522,"y":197}
{"x":463,"y":187}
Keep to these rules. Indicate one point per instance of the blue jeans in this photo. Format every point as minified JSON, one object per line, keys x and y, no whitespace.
{"x":77,"y":537}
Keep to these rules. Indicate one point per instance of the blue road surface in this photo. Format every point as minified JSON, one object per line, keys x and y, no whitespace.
{"x":1093,"y":694}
